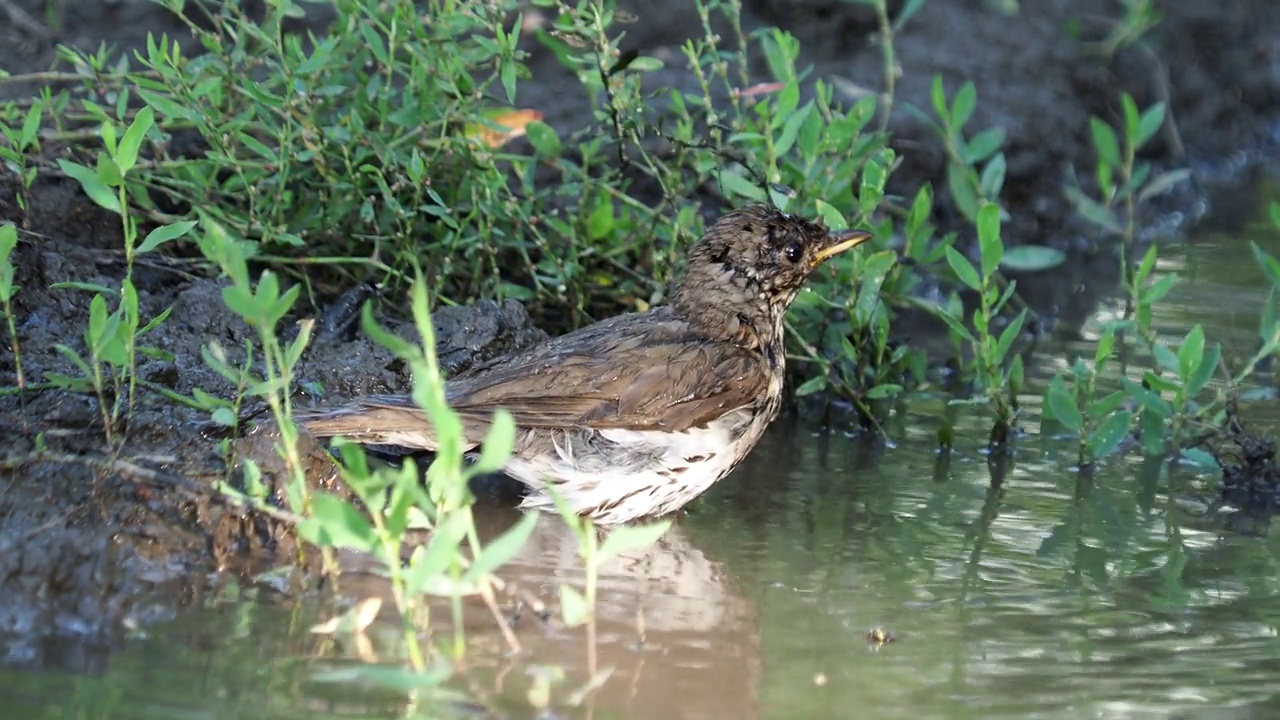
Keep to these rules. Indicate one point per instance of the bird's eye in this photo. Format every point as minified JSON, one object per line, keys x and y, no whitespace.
{"x":794,"y":252}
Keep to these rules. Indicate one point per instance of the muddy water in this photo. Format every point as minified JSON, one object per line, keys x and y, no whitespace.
{"x":1056,"y":594}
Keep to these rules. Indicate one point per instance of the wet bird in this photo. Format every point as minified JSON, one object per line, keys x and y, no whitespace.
{"x":639,"y":414}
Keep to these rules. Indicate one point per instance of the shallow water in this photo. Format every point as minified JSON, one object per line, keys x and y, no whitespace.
{"x":1051,"y":594}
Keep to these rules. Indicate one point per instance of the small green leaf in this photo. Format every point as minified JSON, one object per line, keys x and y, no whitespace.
{"x":1267,"y":262}
{"x":962,"y":106}
{"x":1149,"y":124}
{"x":1156,"y":292}
{"x":1105,"y":142}
{"x":1009,"y":335}
{"x":992,"y":181}
{"x":1062,"y":406}
{"x":335,"y":522}
{"x":1093,"y":211}
{"x":629,"y":538}
{"x":498,"y":442}
{"x":791,"y":129}
{"x":93,"y":186}
{"x":543,"y":138}
{"x":573,"y":607}
{"x":600,"y":221}
{"x":984,"y":145}
{"x":164,"y":234}
{"x":1204,"y":373}
{"x":1032,"y":258}
{"x":989,"y":243}
{"x":1162,"y":183}
{"x":734,"y":184}
{"x":126,"y":155}
{"x":502,"y":549}
{"x":883,"y":390}
{"x":963,"y":269}
{"x":1110,"y":434}
{"x":1191,"y":353}
{"x":812,"y":385}
{"x":1201,"y":459}
{"x":1107,"y":405}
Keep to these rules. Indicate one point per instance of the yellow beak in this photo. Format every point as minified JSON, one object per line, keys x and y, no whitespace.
{"x":838,"y":241}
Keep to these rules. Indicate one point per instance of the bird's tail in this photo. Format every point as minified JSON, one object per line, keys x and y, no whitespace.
{"x":370,"y":424}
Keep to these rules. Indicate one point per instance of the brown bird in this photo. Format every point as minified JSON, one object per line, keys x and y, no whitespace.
{"x":636,"y":415}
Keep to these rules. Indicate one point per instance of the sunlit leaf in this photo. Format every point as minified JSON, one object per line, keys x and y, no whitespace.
{"x":1110,"y":434}
{"x":502,"y":126}
{"x":631,"y":537}
{"x":1032,"y":258}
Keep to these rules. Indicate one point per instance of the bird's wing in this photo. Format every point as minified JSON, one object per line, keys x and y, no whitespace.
{"x":663,"y":378}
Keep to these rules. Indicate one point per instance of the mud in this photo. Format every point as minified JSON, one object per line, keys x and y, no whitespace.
{"x":89,"y":538}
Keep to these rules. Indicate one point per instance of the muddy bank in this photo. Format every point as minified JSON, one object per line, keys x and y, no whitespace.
{"x":84,"y":538}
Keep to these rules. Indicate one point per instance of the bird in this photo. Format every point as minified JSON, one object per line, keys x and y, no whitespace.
{"x":635,"y":416}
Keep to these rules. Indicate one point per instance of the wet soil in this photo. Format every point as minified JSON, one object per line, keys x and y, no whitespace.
{"x":88,"y":534}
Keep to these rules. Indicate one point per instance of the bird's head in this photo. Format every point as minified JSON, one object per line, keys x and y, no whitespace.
{"x":751,"y":263}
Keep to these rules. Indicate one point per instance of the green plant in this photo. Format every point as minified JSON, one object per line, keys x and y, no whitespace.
{"x":19,"y":148}
{"x":1000,"y":385}
{"x":111,"y":338}
{"x":578,"y":608}
{"x":8,"y":242}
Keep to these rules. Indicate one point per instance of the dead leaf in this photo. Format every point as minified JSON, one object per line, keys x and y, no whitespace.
{"x":511,"y":124}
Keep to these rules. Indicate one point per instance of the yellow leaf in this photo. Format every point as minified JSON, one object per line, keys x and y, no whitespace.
{"x":502,"y":126}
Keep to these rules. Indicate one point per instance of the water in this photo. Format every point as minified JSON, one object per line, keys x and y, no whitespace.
{"x":1054,"y":594}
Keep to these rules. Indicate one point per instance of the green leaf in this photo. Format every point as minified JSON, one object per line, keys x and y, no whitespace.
{"x":734,"y":184}
{"x":963,"y":269}
{"x":983,"y":145}
{"x":164,"y":234}
{"x":1275,"y":213}
{"x":1110,"y":434}
{"x":883,"y":390}
{"x":599,"y":223}
{"x":337,"y":523}
{"x":1201,"y":459}
{"x":1150,"y":124}
{"x":1191,"y":353}
{"x":93,"y":186}
{"x":1009,"y":335}
{"x":1269,"y":264}
{"x":126,"y":155}
{"x":573,"y":607}
{"x":1153,"y":432}
{"x":628,"y":538}
{"x":962,"y":182}
{"x":962,"y":106}
{"x":1107,"y":405}
{"x":791,"y":129}
{"x":1093,"y":211}
{"x":1204,"y":373}
{"x":938,"y":96}
{"x":1162,"y":183}
{"x":1156,"y":292}
{"x":502,"y":549}
{"x":1105,"y":142}
{"x":1062,"y":406}
{"x":814,"y":384}
{"x":1165,"y":357}
{"x":543,"y":138}
{"x":992,"y":181}
{"x":989,"y":243}
{"x":498,"y":442}
{"x":433,"y":559}
{"x":1032,"y":258}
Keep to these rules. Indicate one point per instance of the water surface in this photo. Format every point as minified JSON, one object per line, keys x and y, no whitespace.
{"x":1014,"y":590}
